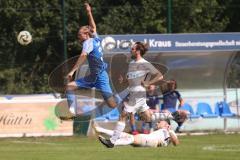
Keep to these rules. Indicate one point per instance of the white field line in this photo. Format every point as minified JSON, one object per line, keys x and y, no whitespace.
{"x":205,"y":133}
{"x":223,"y":148}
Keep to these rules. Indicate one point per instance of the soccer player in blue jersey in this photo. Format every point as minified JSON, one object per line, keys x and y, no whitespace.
{"x":98,"y":77}
{"x":170,"y":98}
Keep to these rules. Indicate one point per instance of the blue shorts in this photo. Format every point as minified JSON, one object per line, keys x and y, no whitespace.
{"x":169,"y":108}
{"x":100,"y":82}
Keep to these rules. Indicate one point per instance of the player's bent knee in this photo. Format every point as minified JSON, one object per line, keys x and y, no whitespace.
{"x":145,"y":117}
{"x":71,"y":86}
{"x":148,"y":119}
{"x":179,"y":116}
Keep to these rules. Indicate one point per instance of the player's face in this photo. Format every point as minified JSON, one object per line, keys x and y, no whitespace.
{"x":151,"y":88}
{"x":133,"y":52}
{"x":172,"y":85}
{"x":82,"y":35}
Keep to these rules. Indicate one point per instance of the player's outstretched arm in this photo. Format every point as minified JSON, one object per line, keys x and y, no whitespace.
{"x":181,"y":102}
{"x":174,"y":138}
{"x":90,"y":17}
{"x":82,"y":58}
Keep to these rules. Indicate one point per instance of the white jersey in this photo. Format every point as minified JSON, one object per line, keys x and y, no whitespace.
{"x":138,"y":70}
{"x":137,"y":73}
{"x":158,"y":138}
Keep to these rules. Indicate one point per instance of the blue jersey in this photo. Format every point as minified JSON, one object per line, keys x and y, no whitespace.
{"x":98,"y":77}
{"x":92,"y":47}
{"x":170,"y":99}
{"x":152,"y":101}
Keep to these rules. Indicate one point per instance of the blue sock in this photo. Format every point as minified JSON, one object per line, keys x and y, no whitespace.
{"x":144,"y":126}
{"x":150,"y":125}
{"x":133,"y":127}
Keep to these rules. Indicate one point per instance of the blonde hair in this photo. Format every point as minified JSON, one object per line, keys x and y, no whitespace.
{"x":87,"y":29}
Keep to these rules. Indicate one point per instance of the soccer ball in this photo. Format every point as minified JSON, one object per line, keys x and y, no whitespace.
{"x":24,"y":38}
{"x":108,"y":43}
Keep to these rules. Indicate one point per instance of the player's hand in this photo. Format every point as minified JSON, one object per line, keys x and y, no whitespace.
{"x":169,"y":127}
{"x":70,"y":76}
{"x":87,"y":7}
{"x":120,"y":79}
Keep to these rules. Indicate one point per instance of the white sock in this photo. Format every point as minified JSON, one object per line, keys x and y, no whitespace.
{"x":117,"y":132}
{"x":161,"y":116}
{"x":124,"y":140}
{"x":72,"y":109}
{"x":103,"y":130}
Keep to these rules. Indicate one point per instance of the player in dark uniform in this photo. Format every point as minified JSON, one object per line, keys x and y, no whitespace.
{"x":170,"y":98}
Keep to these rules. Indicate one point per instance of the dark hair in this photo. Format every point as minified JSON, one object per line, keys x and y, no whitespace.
{"x":173,"y":82}
{"x":172,"y":85}
{"x":168,"y":121}
{"x":142,"y":47}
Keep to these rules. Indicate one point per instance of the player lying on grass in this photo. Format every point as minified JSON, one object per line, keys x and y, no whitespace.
{"x":161,"y":137}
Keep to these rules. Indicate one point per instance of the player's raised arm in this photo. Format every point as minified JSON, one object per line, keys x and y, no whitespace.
{"x":90,"y":17}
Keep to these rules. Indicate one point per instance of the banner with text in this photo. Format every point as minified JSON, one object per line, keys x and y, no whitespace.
{"x":174,"y":42}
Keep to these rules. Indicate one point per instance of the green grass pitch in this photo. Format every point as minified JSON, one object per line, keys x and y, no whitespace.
{"x":206,"y":147}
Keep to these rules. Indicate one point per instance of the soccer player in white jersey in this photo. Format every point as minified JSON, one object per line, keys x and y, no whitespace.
{"x":161,"y":137}
{"x":98,"y":77}
{"x":139,"y":69}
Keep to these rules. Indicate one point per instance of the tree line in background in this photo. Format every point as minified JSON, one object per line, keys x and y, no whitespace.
{"x":25,"y":69}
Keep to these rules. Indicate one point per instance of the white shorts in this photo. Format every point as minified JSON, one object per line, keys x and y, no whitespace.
{"x":145,"y":140}
{"x":136,"y":100}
